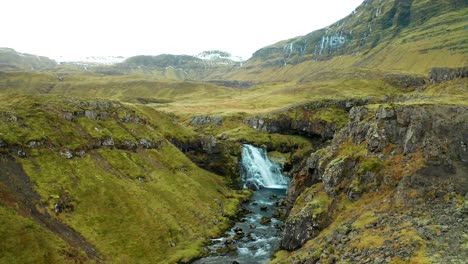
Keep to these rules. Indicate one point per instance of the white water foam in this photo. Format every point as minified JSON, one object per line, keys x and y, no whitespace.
{"x":259,"y":171}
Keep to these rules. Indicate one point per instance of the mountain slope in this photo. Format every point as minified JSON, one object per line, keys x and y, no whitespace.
{"x":92,"y":181}
{"x":12,"y":60}
{"x":402,"y":35}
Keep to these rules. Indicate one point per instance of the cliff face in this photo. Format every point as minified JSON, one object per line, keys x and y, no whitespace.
{"x":372,"y":23}
{"x":391,"y":170}
{"x":409,"y":35}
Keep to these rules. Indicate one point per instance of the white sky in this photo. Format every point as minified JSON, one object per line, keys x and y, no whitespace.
{"x":82,"y":28}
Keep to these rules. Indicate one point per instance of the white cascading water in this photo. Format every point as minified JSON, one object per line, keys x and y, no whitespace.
{"x":258,"y":171}
{"x":257,"y":240}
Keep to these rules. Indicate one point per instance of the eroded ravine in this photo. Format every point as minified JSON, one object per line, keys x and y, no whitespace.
{"x":256,"y":236}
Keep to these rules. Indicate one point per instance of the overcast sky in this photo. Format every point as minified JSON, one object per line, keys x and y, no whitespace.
{"x":81,"y":28}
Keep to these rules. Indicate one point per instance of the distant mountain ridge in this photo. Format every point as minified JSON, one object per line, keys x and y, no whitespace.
{"x":413,"y":36}
{"x":372,"y":23}
{"x":205,"y":66}
{"x":13,"y":60}
{"x":409,"y":35}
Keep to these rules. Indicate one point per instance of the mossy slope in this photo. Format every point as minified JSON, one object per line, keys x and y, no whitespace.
{"x":117,"y":180}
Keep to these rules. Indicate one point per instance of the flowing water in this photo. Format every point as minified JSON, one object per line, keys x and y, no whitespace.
{"x":257,"y":236}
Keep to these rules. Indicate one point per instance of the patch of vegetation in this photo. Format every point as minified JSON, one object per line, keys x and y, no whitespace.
{"x":371,"y":164}
{"x":25,"y":241}
{"x":144,"y":205}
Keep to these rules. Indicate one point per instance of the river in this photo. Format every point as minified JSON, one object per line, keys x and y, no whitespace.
{"x":257,"y":236}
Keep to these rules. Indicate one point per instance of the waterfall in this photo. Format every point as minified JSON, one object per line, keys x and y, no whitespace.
{"x":258,"y":171}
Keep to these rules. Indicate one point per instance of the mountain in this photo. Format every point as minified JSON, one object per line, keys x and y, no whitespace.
{"x":134,"y":163}
{"x":206,"y":65}
{"x":218,"y":56}
{"x":98,"y":60}
{"x":12,"y":60}
{"x":402,"y":35}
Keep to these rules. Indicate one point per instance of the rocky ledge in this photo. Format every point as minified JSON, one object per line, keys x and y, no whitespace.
{"x":390,"y":186}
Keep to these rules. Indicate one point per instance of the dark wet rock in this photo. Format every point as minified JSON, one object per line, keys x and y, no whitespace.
{"x":263,"y":207}
{"x":229,"y":240}
{"x":232,"y":247}
{"x":265,"y":220}
{"x":251,"y":185}
{"x":239,"y":235}
{"x":276,"y":214}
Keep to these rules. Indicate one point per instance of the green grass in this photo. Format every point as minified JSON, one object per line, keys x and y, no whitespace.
{"x":132,"y":205}
{"x":25,"y":241}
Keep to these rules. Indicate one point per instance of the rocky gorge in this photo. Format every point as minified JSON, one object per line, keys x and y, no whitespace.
{"x":411,"y":159}
{"x":346,"y":145}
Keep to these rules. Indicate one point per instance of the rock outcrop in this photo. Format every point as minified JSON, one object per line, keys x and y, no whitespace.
{"x":311,"y":120}
{"x":437,"y":75}
{"x":206,"y":120}
{"x":408,"y":150}
{"x":218,"y":156}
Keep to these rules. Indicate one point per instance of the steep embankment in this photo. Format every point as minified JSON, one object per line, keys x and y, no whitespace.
{"x":99,"y":181}
{"x":408,"y":35}
{"x":389,"y":187}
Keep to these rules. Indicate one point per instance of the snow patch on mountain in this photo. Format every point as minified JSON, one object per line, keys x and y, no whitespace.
{"x":104,"y":60}
{"x":217,"y":55}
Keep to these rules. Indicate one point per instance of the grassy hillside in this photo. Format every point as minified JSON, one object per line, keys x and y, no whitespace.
{"x":118,"y":183}
{"x":410,"y":36}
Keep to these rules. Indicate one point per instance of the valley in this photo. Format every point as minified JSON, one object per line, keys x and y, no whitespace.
{"x":143,"y":160}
